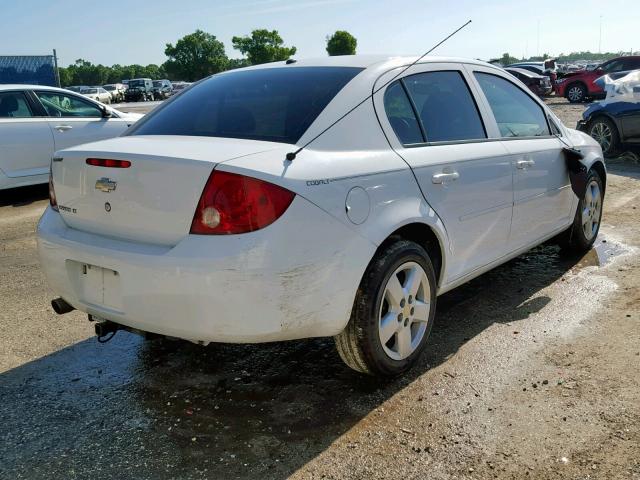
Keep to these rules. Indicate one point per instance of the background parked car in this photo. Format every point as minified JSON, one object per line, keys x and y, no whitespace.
{"x":581,"y":86}
{"x":615,"y":124}
{"x":97,"y":93}
{"x":548,"y":68}
{"x":538,"y":84}
{"x":35,"y":121}
{"x":179,"y":87}
{"x":116,"y":90}
{"x":162,"y":89}
{"x":139,"y":90}
{"x":77,"y":88}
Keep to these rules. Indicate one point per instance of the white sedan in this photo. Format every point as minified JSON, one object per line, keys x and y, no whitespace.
{"x":336,"y":197}
{"x":98,"y":94}
{"x":35,"y":121}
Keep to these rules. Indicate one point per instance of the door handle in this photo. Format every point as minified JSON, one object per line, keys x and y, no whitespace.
{"x":522,"y":164}
{"x":63,"y":128}
{"x":440,"y":178}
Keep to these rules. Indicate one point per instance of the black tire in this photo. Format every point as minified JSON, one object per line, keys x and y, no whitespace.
{"x":574,"y":240}
{"x":576,"y":92}
{"x":606,"y":133}
{"x":359,"y":344}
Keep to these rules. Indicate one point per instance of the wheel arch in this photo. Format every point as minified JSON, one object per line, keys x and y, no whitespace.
{"x":599,"y":167}
{"x":576,"y":82}
{"x":427,"y":237}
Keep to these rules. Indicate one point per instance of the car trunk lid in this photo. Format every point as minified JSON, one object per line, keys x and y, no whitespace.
{"x":153,"y":199}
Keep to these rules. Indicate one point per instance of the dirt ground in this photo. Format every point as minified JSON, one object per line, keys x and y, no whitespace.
{"x":531,"y":372}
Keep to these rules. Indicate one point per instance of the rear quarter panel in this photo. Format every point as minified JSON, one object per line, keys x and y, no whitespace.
{"x":352,"y":155}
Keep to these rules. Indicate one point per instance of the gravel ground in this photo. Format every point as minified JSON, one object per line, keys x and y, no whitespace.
{"x":531,"y":372}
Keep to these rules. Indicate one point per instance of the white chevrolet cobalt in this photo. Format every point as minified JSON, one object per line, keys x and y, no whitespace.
{"x":336,"y":197}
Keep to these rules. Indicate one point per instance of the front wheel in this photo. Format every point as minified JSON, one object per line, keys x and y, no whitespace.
{"x":576,"y":93}
{"x":605,"y":133}
{"x":581,"y":236}
{"x":393,"y":312}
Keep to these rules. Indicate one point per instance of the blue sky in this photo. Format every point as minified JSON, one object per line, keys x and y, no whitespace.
{"x":135,"y":31}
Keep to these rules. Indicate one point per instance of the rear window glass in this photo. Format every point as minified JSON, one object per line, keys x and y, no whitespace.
{"x":445,"y":106}
{"x":272,"y":104}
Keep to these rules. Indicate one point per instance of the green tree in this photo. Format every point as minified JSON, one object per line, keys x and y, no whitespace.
{"x":507,"y":59}
{"x":195,"y":56}
{"x":65,"y":77}
{"x":263,"y":46}
{"x":237,"y":63}
{"x":341,"y":43}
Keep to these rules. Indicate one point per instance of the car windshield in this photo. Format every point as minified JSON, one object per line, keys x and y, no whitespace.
{"x":109,"y":87}
{"x":272,"y":104}
{"x":136,"y":83}
{"x":90,"y":90}
{"x":157,"y":83}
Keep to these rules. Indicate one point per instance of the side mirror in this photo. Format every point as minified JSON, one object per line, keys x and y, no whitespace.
{"x":106,"y":113}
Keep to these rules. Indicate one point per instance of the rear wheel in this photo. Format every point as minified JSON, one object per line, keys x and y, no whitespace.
{"x":576,"y":93}
{"x":586,"y":224}
{"x":605,"y":133}
{"x":393,"y":312}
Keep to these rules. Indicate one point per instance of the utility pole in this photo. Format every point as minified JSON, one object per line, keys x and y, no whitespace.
{"x":55,"y":66}
{"x":538,"y":54}
{"x":600,"y":38}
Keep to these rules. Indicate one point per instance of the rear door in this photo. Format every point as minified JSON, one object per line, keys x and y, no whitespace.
{"x":543,"y":198}
{"x":435,"y":124}
{"x":74,"y":120}
{"x":26,"y":142}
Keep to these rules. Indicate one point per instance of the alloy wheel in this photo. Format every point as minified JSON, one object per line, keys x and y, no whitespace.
{"x":603,"y":135}
{"x":404,"y":311}
{"x":575,"y":94}
{"x":591,"y":208}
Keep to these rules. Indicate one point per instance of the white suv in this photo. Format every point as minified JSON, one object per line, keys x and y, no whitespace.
{"x":335,"y":197}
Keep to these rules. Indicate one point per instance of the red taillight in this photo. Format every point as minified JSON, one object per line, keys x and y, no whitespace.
{"x":52,"y":193}
{"x":107,"y":162}
{"x":232,"y":203}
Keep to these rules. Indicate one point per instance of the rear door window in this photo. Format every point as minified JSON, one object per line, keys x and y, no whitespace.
{"x":401,"y":115}
{"x":516,"y":113}
{"x":445,"y":106}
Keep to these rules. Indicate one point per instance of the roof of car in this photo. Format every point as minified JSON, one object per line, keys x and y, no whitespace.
{"x":18,"y":86}
{"x":365,"y":61}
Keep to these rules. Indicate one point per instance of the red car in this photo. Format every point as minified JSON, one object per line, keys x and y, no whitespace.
{"x":579,"y":86}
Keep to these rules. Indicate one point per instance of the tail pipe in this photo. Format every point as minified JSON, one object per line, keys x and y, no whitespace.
{"x":60,"y":306}
{"x":106,"y":327}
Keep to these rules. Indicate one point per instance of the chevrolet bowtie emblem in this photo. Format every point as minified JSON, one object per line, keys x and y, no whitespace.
{"x":106,"y":185}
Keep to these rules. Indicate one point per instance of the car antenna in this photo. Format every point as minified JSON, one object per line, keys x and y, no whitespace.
{"x":292,"y":155}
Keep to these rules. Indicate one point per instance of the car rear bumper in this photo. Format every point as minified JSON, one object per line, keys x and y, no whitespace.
{"x":279,"y":283}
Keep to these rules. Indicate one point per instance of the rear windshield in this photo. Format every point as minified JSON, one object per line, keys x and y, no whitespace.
{"x":272,"y":104}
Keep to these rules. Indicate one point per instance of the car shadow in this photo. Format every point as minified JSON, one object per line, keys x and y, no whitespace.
{"x":625,"y":165}
{"x":21,"y":196}
{"x":137,"y":408}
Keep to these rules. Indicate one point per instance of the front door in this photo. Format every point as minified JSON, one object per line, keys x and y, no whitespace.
{"x":74,"y":120}
{"x":543,"y":198}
